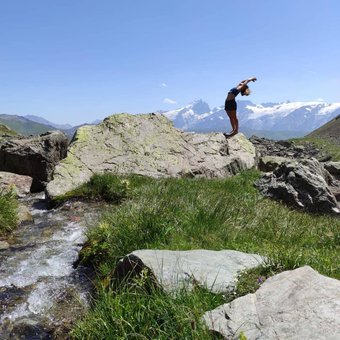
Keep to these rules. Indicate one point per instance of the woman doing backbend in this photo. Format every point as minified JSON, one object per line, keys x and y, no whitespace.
{"x":231,"y":106}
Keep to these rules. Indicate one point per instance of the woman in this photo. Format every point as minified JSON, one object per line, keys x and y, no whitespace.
{"x":230,"y":103}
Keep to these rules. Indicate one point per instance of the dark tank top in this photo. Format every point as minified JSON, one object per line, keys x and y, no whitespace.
{"x":234,"y":91}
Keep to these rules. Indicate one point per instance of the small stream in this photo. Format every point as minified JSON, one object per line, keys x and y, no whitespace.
{"x":41,"y":293}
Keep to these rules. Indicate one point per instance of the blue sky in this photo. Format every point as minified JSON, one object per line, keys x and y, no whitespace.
{"x":80,"y":60}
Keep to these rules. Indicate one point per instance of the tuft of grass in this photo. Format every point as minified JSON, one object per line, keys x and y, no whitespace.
{"x":133,"y":313}
{"x":107,"y":187}
{"x":182,"y":214}
{"x":8,"y":211}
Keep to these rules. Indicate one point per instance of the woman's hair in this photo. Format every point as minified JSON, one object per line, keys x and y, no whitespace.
{"x":246,"y":91}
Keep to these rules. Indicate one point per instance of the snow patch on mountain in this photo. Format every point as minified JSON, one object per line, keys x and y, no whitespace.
{"x":329,"y":108}
{"x":279,"y":110}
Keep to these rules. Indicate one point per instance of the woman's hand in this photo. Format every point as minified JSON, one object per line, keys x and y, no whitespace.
{"x":252,"y":79}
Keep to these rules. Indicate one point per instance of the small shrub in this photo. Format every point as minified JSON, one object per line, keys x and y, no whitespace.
{"x":8,"y":211}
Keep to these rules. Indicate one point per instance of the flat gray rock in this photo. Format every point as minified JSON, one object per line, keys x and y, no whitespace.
{"x":215,"y":270}
{"x":299,"y":304}
{"x":148,"y":145}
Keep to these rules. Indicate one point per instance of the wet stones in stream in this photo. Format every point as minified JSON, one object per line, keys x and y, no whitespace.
{"x":42,"y":293}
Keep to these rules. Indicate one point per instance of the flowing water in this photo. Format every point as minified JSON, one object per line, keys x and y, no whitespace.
{"x":41,"y":292}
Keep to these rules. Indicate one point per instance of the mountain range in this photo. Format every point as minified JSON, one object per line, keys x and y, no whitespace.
{"x":35,"y":125}
{"x":24,"y":126}
{"x":273,"y":120}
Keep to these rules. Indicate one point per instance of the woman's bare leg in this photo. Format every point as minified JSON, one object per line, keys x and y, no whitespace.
{"x":233,"y":121}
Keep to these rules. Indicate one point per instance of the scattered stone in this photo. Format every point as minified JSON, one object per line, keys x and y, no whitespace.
{"x":35,"y":156}
{"x":215,"y":270}
{"x":298,"y":304}
{"x":4,"y":245}
{"x":25,"y":329}
{"x":148,"y":145}
{"x":24,"y":214}
{"x":303,"y":184}
{"x":19,"y":183}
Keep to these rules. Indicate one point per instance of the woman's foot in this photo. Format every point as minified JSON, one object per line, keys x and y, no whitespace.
{"x":228,"y":135}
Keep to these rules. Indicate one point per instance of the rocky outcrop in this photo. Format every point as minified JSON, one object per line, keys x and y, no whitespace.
{"x":286,"y":149}
{"x":298,"y":304}
{"x":270,"y":163}
{"x":148,"y":145}
{"x":35,"y":157}
{"x":303,"y":184}
{"x":333,"y":168}
{"x":215,"y":270}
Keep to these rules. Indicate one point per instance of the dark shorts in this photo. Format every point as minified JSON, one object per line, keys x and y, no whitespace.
{"x":230,"y":105}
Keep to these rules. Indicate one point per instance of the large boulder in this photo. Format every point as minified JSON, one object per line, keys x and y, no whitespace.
{"x":298,"y":304}
{"x":35,"y":156}
{"x":19,"y":183}
{"x":173,"y":270}
{"x":303,"y":184}
{"x":149,"y":145}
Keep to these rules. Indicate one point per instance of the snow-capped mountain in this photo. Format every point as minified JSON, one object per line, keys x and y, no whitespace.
{"x":291,"y":118}
{"x":185,"y":118}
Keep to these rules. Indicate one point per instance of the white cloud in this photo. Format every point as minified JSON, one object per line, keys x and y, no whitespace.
{"x":319,"y":100}
{"x":164,"y":85}
{"x":169,"y":101}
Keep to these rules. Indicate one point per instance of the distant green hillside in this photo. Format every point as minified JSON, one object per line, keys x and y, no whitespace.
{"x":23,"y":125}
{"x":4,"y":130}
{"x":329,"y":131}
{"x":326,"y":138}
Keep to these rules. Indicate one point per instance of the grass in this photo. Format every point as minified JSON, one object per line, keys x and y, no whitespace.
{"x":8,"y":211}
{"x":132,"y":313}
{"x":191,"y":214}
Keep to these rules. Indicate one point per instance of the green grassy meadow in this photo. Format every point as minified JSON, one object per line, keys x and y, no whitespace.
{"x":182,"y":214}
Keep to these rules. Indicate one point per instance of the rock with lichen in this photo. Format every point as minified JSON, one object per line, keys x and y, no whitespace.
{"x":149,"y":145}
